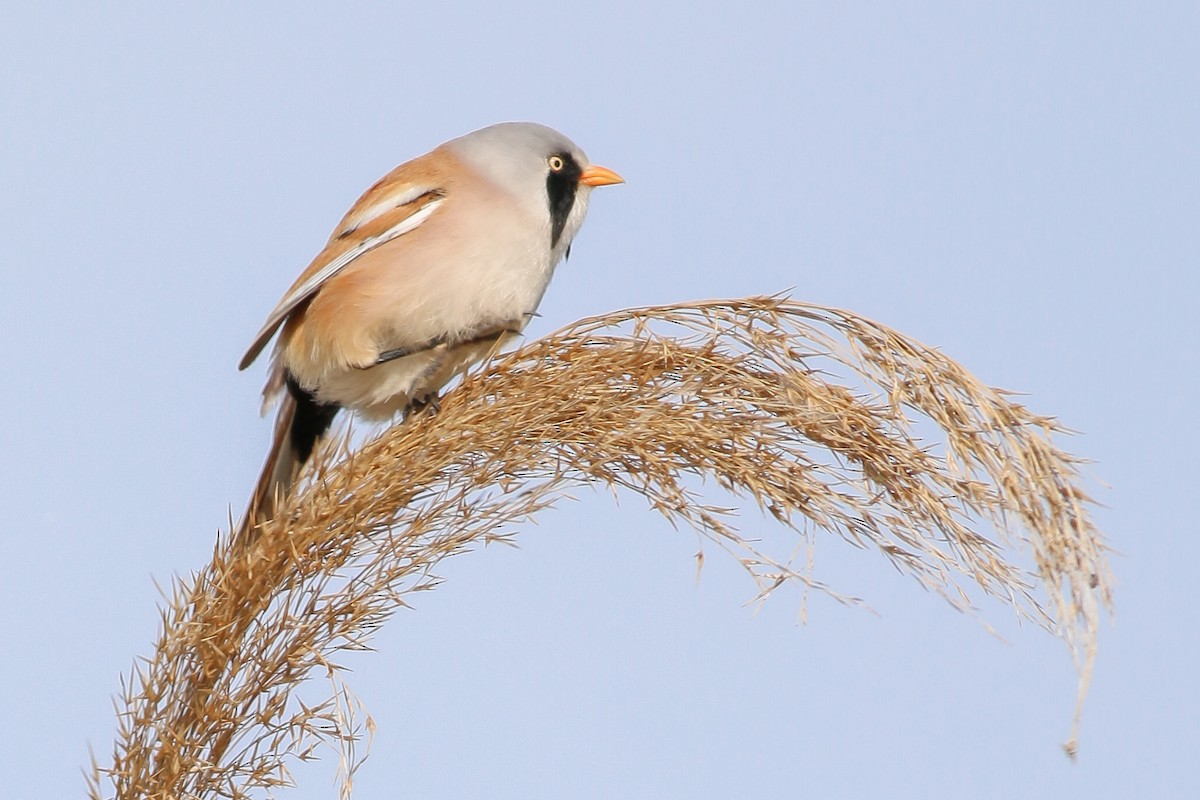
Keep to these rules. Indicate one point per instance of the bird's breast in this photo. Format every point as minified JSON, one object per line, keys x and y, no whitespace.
{"x":481,"y":264}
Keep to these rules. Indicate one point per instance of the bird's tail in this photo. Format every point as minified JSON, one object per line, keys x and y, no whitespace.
{"x":299,"y":425}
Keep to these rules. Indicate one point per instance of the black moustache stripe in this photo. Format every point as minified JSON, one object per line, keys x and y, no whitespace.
{"x":560,"y":192}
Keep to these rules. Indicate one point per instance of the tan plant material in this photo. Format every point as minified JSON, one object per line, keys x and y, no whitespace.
{"x":747,"y":392}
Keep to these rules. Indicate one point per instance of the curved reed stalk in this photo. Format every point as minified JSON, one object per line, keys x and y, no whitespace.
{"x":742,"y":391}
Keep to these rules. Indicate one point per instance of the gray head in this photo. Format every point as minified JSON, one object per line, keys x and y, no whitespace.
{"x":536,"y":164}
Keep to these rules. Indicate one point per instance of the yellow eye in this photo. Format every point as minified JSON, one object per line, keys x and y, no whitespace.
{"x":556,"y":163}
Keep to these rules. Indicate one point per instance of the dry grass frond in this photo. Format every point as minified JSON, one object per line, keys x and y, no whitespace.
{"x":745,"y":392}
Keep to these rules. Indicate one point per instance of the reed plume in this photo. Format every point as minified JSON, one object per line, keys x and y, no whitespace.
{"x":832,"y":424}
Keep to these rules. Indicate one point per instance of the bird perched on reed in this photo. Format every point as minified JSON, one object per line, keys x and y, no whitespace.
{"x":435,"y":267}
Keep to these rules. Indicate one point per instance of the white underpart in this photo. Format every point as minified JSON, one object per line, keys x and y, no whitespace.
{"x":497,"y":286}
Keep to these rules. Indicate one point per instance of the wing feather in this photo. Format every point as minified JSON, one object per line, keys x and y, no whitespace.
{"x":372,"y":222}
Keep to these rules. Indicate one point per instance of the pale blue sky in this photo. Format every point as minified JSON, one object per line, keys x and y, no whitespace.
{"x":1014,"y":183}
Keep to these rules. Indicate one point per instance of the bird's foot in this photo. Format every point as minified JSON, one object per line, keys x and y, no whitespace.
{"x":430,"y":404}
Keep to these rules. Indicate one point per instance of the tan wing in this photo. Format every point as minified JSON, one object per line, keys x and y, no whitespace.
{"x":399,"y":203}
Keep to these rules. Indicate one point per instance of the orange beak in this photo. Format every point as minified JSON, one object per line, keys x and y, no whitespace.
{"x":599,"y":176}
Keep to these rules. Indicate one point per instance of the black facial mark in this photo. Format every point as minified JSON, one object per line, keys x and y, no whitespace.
{"x":561,"y":185}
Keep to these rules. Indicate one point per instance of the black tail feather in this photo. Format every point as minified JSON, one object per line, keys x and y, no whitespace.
{"x":301,"y":423}
{"x":310,"y":421}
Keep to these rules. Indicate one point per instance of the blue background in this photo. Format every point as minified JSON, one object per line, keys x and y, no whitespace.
{"x":1015,"y":183}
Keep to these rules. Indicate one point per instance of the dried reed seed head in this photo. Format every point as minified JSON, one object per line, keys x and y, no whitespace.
{"x":745,"y":392}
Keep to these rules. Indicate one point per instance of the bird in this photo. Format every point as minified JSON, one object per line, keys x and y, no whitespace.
{"x":439,"y":264}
